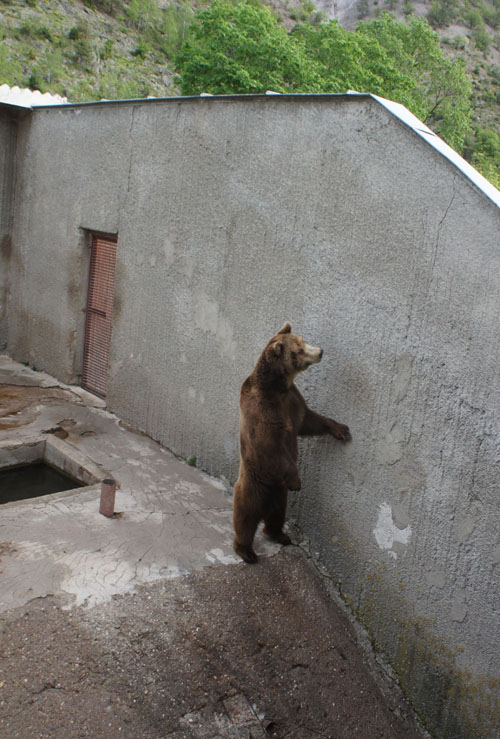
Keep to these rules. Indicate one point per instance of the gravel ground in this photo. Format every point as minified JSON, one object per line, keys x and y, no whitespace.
{"x":231,"y":651}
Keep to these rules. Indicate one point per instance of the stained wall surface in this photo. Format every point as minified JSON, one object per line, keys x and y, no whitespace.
{"x":8,"y":130}
{"x":234,"y":215}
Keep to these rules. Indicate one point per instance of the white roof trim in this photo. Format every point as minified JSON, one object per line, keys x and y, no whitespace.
{"x":26,"y":98}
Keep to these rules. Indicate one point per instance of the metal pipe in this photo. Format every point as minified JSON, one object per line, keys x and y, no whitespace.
{"x":108,"y":491}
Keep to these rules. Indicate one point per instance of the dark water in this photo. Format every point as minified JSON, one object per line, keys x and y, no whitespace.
{"x":32,"y":480}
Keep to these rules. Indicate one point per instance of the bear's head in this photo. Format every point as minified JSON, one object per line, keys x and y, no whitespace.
{"x":289,"y":354}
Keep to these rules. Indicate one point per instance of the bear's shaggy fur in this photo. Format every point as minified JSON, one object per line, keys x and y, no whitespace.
{"x":273,"y":414}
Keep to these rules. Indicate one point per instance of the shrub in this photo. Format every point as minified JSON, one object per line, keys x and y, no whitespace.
{"x":473,"y":18}
{"x":141,"y":50}
{"x":143,"y":14}
{"x":482,"y":39}
{"x":174,"y":27}
{"x":442,"y":13}
{"x":82,"y":52}
{"x":408,"y":8}
{"x":106,"y":51}
{"x":32,"y":29}
{"x":36,"y":81}
{"x":363,"y":8}
{"x":79,"y":31}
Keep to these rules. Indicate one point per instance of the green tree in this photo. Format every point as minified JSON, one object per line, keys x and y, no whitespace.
{"x":241,"y":49}
{"x":349,"y":61}
{"x":440,"y":90}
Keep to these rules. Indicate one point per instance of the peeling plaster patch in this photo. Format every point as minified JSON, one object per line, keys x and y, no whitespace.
{"x":389,"y":448}
{"x":207,"y":317}
{"x":465,"y":527}
{"x":206,"y":313}
{"x":387,"y":533}
{"x":402,"y":379}
{"x":436,"y":578}
{"x":217,"y":555}
{"x":458,"y":607}
{"x":168,"y":251}
{"x":171,"y":571}
{"x":93,"y":577}
{"x":187,"y":266}
{"x":218,"y":484}
{"x":90,"y":577}
{"x":401,"y":516}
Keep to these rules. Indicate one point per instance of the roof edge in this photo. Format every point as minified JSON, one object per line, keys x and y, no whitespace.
{"x":396,"y":109}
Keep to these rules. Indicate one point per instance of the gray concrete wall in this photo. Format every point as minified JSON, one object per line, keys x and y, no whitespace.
{"x":8,"y":128}
{"x":234,"y":216}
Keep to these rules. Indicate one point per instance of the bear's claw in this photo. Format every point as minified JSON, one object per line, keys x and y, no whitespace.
{"x":341,"y":431}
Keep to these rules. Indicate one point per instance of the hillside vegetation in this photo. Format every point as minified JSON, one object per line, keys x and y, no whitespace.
{"x":112,"y":49}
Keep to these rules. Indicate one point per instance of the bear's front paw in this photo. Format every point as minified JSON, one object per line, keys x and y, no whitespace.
{"x":293,"y":482}
{"x":340,"y":431}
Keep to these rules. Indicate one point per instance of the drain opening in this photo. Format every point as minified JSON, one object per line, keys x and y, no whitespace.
{"x":33,"y":480}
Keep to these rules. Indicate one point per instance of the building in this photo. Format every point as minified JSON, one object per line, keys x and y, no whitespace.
{"x":213,"y":220}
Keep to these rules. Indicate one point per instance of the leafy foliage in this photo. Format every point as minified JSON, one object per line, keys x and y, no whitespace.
{"x":439,"y":90}
{"x":442,"y":13}
{"x":241,"y":49}
{"x":486,"y":155}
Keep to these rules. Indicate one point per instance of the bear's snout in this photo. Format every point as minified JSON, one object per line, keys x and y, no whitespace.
{"x":313,"y":353}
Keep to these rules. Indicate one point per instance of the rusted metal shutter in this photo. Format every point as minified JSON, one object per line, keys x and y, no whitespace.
{"x":98,"y":324}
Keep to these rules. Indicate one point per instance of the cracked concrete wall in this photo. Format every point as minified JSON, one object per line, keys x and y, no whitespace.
{"x":8,"y":129}
{"x":235,"y":215}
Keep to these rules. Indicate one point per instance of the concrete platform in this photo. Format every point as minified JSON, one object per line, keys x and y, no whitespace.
{"x":147,"y":624}
{"x":174,"y":519}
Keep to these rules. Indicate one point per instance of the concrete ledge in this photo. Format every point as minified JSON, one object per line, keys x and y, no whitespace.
{"x":54,"y":452}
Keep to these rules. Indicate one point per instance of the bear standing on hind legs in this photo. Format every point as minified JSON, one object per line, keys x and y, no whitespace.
{"x":272,"y":414}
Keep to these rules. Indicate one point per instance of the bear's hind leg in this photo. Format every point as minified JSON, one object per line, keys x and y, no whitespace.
{"x":274,"y":518}
{"x":244,"y":549}
{"x":245,"y":526}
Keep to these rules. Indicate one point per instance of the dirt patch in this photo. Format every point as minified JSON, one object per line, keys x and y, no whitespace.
{"x":233,"y":651}
{"x":19,"y":404}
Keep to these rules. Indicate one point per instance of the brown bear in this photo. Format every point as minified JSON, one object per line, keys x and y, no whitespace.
{"x":272,"y":414}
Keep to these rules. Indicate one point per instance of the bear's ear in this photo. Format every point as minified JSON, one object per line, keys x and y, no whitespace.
{"x":285,"y":329}
{"x":277,"y":349}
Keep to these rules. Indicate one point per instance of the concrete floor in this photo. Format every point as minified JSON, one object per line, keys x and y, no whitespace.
{"x":147,"y":624}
